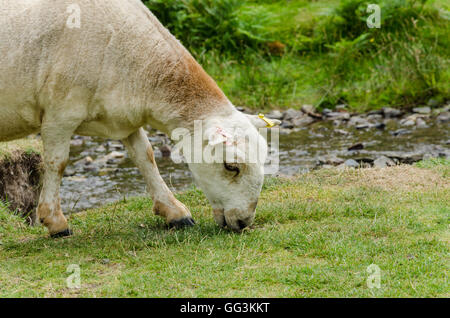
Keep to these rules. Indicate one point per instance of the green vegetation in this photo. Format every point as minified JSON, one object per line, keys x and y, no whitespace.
{"x":9,"y":149}
{"x":314,"y":235}
{"x":279,"y":54}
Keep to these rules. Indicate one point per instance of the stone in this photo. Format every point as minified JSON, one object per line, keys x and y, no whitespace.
{"x":342,"y":132}
{"x":404,"y":157}
{"x":409,"y":121}
{"x":374,"y":117}
{"x":116,"y":155}
{"x":383,"y":162}
{"x":428,"y":156}
{"x":364,"y":126}
{"x":101,"y":148}
{"x":275,"y":114}
{"x":421,"y":123}
{"x":358,"y":146}
{"x":91,"y":168}
{"x":356,"y":121}
{"x":338,"y":116}
{"x":351,"y":163}
{"x":443,"y":117}
{"x":400,"y":132}
{"x":311,"y":111}
{"x":302,"y":121}
{"x":291,"y":114}
{"x":330,"y":160}
{"x":380,"y":126}
{"x":326,"y":111}
{"x":376,"y":112}
{"x":84,"y":162}
{"x":166,"y":150}
{"x":286,"y":125}
{"x":114,"y":145}
{"x":391,"y":112}
{"x":76,"y":142}
{"x":69,"y":172}
{"x":422,"y":110}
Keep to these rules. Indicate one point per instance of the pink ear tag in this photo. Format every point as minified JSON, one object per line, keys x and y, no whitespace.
{"x":226,"y":136}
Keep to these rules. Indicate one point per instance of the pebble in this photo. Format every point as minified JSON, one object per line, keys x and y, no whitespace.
{"x":275,"y":114}
{"x":290,"y":114}
{"x":391,"y":112}
{"x":69,"y":172}
{"x":166,"y":150}
{"x":286,"y":125}
{"x":351,"y":163}
{"x":338,"y":115}
{"x":422,"y":110}
{"x":358,"y":146}
{"x":421,"y":123}
{"x":330,"y":160}
{"x":302,"y":121}
{"x":116,"y":155}
{"x":342,"y":132}
{"x":400,"y":132}
{"x":374,"y":117}
{"x":76,"y":142}
{"x":443,"y":117}
{"x":383,"y":162}
{"x":311,"y":111}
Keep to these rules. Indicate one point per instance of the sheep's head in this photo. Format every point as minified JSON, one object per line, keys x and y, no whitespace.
{"x":230,"y":169}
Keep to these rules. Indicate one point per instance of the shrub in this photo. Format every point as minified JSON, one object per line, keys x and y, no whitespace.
{"x":211,"y":24}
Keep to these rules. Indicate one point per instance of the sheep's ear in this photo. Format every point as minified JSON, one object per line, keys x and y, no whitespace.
{"x":260,"y":121}
{"x":218,"y":135}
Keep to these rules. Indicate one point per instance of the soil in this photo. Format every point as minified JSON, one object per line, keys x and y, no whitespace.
{"x":20,"y":182}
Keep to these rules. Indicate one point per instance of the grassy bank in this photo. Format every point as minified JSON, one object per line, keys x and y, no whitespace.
{"x":20,"y":173}
{"x":281,"y":54}
{"x":315,"y":235}
{"x":9,"y":150}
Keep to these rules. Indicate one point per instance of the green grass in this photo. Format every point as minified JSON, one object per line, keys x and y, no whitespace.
{"x":314,"y":236}
{"x":29,"y":145}
{"x":331,"y":56}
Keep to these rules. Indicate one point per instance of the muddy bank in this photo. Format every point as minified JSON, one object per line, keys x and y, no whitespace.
{"x":20,"y":174}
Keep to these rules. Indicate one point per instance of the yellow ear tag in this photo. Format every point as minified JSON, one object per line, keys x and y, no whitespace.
{"x":269,"y":123}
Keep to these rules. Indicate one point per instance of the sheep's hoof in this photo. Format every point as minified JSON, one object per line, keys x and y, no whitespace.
{"x":64,"y":233}
{"x":186,"y":222}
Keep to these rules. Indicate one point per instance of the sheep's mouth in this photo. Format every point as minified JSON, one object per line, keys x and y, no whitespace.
{"x":219,"y":216}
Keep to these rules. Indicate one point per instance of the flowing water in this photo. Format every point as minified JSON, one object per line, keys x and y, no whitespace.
{"x":302,"y":150}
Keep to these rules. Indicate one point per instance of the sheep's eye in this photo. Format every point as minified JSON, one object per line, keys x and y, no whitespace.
{"x":231,"y":168}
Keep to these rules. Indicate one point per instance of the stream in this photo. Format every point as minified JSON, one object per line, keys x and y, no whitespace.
{"x":101,"y":172}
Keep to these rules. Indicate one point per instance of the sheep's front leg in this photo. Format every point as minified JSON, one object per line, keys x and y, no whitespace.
{"x":56,"y":141}
{"x":165,"y":204}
